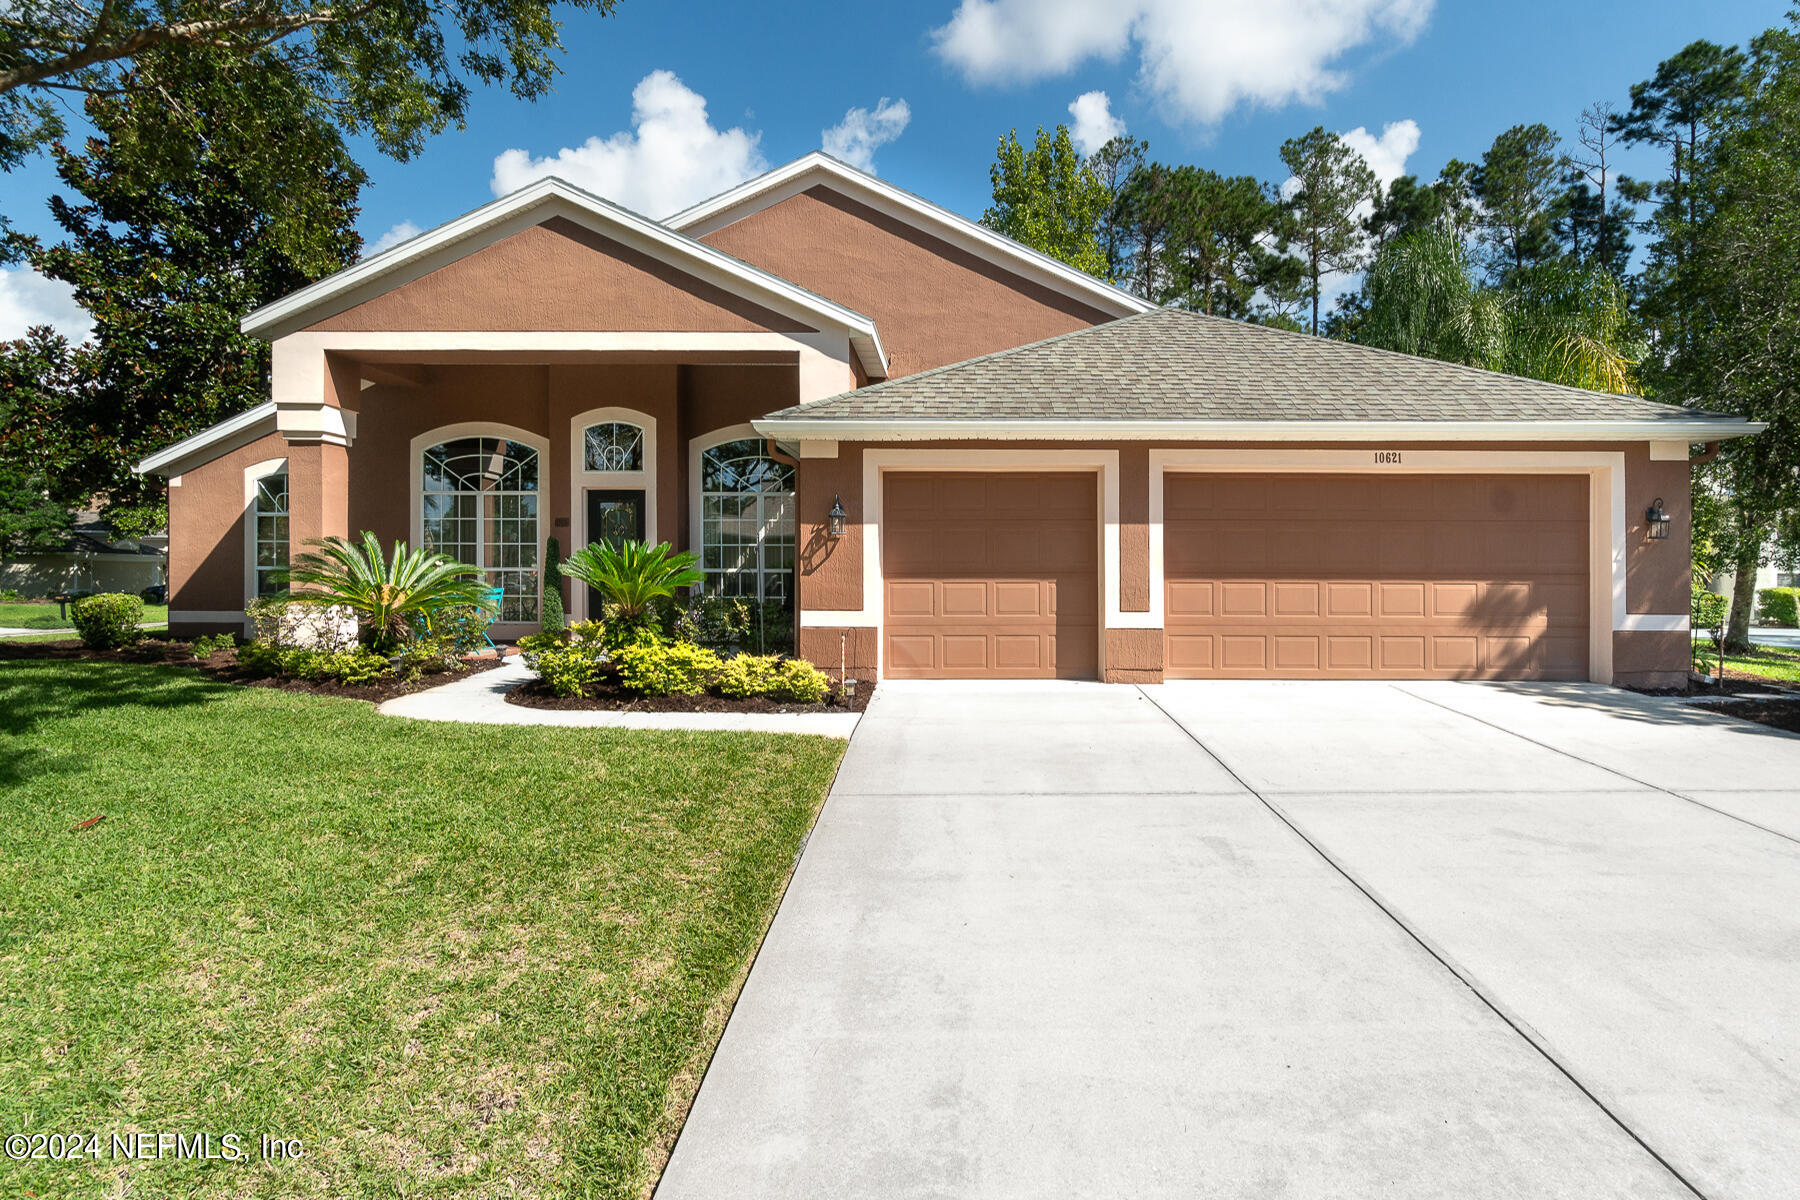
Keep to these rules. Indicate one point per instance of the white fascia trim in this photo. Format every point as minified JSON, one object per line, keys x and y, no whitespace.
{"x":1103,"y":463}
{"x":246,"y":426}
{"x":581,"y":480}
{"x":795,"y":177}
{"x":560,"y":198}
{"x":1656,"y":623}
{"x":809,"y":428}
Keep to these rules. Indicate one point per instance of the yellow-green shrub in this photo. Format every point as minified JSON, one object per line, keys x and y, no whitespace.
{"x":748,"y":675}
{"x":799,"y":681}
{"x":568,"y":670}
{"x":666,"y":669}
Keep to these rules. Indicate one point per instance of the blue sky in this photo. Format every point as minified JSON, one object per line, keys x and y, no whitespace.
{"x":1218,"y":82}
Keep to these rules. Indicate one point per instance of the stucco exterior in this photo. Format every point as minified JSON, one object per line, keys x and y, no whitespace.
{"x":530,"y":326}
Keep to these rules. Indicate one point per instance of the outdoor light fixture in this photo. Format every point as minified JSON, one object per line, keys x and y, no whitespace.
{"x":835,"y":524}
{"x":1658,"y":520}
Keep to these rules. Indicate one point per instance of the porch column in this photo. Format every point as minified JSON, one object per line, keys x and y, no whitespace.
{"x":318,"y":494}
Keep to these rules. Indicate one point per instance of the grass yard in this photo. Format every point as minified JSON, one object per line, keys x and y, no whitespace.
{"x":63,"y":635}
{"x":16,"y":615}
{"x":450,"y":960}
{"x":1771,"y":662}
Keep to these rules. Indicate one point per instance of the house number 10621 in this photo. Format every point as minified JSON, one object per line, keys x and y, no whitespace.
{"x":1387,"y":458}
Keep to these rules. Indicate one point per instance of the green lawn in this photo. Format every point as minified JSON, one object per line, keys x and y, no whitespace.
{"x":44,"y":616}
{"x":63,"y":635}
{"x":451,"y":960}
{"x":1771,"y":662}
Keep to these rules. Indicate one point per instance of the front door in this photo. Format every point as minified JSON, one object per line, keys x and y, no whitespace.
{"x":613,"y":516}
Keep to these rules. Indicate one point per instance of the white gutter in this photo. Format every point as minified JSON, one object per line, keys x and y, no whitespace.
{"x":1696,"y":429}
{"x":224,"y":431}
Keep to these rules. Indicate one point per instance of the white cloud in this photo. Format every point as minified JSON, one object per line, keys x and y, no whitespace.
{"x":1387,"y":154}
{"x":670,"y":158}
{"x":1199,"y":58}
{"x":856,"y":138}
{"x":1094,"y":124}
{"x":28,"y":299}
{"x":404,"y":231}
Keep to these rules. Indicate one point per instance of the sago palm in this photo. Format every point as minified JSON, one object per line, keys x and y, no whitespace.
{"x":631,"y":575}
{"x":385,"y":592}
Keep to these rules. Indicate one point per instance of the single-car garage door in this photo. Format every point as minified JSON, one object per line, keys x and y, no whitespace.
{"x":990,"y":576}
{"x":1365,"y":576}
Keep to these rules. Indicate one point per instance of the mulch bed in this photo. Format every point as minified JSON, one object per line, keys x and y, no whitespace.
{"x":1777,"y":714}
{"x":607,"y":695}
{"x":222,"y":665}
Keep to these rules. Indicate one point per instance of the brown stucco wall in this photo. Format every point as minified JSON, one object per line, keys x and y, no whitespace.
{"x":206,"y":533}
{"x":933,"y":303}
{"x":1652,"y":659}
{"x":558,"y":276}
{"x":1657,"y":573}
{"x":839,"y":650}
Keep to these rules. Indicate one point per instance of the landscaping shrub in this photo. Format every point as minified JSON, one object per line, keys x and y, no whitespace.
{"x":567,"y":669}
{"x":207,"y":645}
{"x":551,"y":618}
{"x":429,"y":654}
{"x":620,"y":631}
{"x":740,"y":623}
{"x":633,"y":578}
{"x":747,"y":675}
{"x":108,"y":621}
{"x":281,"y":620}
{"x":353,"y":667}
{"x":1710,"y":610}
{"x":666,"y":668}
{"x":389,"y":593}
{"x":799,"y":681}
{"x":11,"y":595}
{"x":533,"y":644}
{"x":1778,"y":606}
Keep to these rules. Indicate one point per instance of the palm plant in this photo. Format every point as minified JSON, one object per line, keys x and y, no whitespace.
{"x":387,"y":593}
{"x":1560,"y":323}
{"x":631,"y":576}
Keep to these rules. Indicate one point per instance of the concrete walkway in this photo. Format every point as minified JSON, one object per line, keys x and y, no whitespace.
{"x":1275,"y":939}
{"x":481,"y":700}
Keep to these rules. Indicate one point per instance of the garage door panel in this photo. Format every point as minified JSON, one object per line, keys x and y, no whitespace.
{"x":990,"y":575}
{"x":1404,"y":577}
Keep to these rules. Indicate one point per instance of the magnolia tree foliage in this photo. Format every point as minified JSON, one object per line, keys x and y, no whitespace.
{"x":396,"y":71}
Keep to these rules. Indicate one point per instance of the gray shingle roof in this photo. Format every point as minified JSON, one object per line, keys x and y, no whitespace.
{"x":1171,"y":365}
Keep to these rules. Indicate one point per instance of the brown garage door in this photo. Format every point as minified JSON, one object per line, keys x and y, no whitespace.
{"x":990,"y":576}
{"x":1362,"y":576}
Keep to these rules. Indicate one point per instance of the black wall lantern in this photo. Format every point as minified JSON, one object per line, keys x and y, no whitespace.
{"x":835,"y":523}
{"x":1658,"y":521}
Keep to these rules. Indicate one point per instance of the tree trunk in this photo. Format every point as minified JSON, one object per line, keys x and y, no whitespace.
{"x":1743,"y":591}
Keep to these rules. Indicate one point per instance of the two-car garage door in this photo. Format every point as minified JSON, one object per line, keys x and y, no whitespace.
{"x":1368,"y":576}
{"x":996,"y":575}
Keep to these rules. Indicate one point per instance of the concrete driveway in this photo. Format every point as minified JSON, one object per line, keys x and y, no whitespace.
{"x":1265,"y":939}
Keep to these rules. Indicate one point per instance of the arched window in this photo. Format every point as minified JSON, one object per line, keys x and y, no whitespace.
{"x":269,"y":526}
{"x":747,"y":522}
{"x":612,"y":446}
{"x":480,"y":505}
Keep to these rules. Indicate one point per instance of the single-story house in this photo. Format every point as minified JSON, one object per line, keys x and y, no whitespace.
{"x":953,"y":456}
{"x":89,"y":557}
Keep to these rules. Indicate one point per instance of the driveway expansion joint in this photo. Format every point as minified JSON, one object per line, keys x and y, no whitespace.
{"x":1643,"y":783}
{"x":1519,"y":1026}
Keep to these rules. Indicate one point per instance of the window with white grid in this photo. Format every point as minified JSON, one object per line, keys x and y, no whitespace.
{"x":480,"y":506}
{"x":612,"y":446}
{"x":747,"y":522}
{"x":269,"y":515}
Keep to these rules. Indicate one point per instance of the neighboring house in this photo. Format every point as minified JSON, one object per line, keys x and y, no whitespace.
{"x":1040,"y":474}
{"x":87,"y":558}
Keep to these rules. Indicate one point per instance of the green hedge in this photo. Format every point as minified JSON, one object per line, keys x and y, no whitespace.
{"x":1778,"y":606}
{"x":1710,"y":610}
{"x":108,"y":621}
